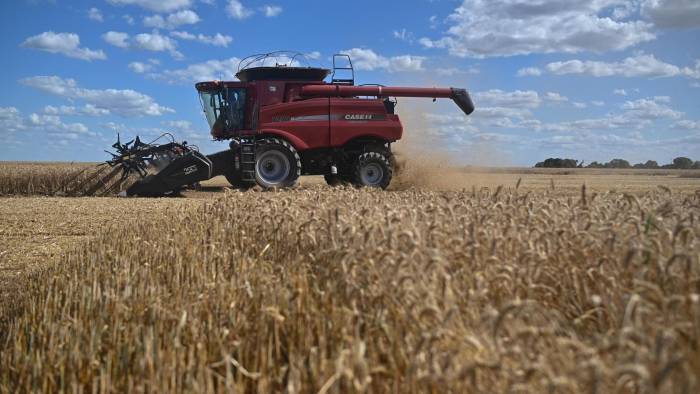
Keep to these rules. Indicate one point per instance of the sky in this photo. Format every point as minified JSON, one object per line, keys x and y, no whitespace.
{"x":590,"y":80}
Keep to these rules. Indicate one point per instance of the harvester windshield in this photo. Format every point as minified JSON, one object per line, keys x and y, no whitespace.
{"x":224,"y":109}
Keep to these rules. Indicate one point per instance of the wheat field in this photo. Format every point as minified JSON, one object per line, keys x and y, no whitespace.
{"x":48,"y":179}
{"x":499,"y":289}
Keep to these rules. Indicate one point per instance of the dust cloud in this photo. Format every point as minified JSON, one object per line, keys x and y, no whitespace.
{"x":424,"y":158}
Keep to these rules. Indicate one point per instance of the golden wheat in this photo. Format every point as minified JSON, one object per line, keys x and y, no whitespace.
{"x":42,"y":179}
{"x":341,"y":290}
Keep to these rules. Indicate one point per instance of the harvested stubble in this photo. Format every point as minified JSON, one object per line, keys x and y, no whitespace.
{"x":348,"y":291}
{"x":42,"y":179}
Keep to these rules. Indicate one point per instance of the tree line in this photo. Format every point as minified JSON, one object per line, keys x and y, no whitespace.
{"x":680,"y":163}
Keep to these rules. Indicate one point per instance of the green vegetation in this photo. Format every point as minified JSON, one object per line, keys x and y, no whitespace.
{"x":679,"y":163}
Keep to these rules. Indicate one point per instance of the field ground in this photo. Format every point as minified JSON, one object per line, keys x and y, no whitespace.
{"x":113,"y":260}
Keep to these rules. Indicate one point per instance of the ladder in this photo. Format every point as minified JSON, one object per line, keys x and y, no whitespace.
{"x":248,"y":147}
{"x":248,"y":159}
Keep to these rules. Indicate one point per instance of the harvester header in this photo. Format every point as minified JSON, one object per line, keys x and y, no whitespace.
{"x":284,"y":120}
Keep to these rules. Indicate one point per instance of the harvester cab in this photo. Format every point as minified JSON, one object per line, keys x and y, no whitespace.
{"x":283,"y":120}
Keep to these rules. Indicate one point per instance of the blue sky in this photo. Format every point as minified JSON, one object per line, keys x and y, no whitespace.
{"x":550,"y":78}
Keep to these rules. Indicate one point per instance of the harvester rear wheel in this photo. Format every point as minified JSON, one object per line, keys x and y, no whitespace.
{"x":277,"y":164}
{"x":374,"y":169}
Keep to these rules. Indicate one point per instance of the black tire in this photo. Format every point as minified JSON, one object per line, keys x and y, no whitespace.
{"x":277,"y":164}
{"x":337,"y":179}
{"x":374,"y":169}
{"x":234,"y":178}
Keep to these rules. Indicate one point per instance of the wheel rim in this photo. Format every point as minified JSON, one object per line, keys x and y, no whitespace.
{"x":273,"y":167}
{"x":371,"y":174}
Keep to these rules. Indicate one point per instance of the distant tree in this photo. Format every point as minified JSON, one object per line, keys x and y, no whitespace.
{"x":557,"y":163}
{"x":595,"y":164}
{"x":682,"y":163}
{"x":618,"y":163}
{"x":651,"y":164}
{"x":648,"y":164}
{"x":696,"y":165}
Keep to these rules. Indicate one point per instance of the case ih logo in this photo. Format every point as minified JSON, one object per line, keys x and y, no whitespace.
{"x":191,"y":169}
{"x":358,"y":117}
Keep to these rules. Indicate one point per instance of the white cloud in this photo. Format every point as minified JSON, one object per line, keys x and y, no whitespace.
{"x":147,"y":41}
{"x":128,"y":19}
{"x":367,"y":59}
{"x":218,"y":39}
{"x":529,"y":71}
{"x":127,"y":102}
{"x":185,"y":129}
{"x":271,"y":10}
{"x":157,"y":43}
{"x":450,"y":71}
{"x":433,"y":21}
{"x":86,"y":110}
{"x":501,"y":112}
{"x":67,"y":44}
{"x":513,"y":27}
{"x":139,"y":67}
{"x":155,"y":5}
{"x":598,"y":103}
{"x":172,"y":21}
{"x":403,"y":35}
{"x":155,"y":21}
{"x":206,"y":71}
{"x":236,"y":10}
{"x":95,"y":14}
{"x":512,"y":110}
{"x":555,"y":97}
{"x":315,"y":55}
{"x":118,"y":39}
{"x":691,"y":125}
{"x":651,"y":108}
{"x":641,"y":65}
{"x":515,"y":99}
{"x":10,"y":120}
{"x":636,"y":115}
{"x":620,"y":92}
{"x":179,"y":125}
{"x":672,"y":13}
{"x":54,"y":124}
{"x":185,"y":17}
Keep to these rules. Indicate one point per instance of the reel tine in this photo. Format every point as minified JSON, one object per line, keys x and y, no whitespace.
{"x":102,"y":182}
{"x":100,"y":170}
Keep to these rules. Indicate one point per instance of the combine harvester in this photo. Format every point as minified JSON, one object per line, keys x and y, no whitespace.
{"x":283,"y":121}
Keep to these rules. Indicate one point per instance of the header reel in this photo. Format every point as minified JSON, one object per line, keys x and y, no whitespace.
{"x":147,"y":169}
{"x":138,"y":157}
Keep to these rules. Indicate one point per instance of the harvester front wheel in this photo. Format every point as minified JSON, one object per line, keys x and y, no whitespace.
{"x":277,"y":164}
{"x":337,"y":179}
{"x":234,"y":178}
{"x":374,"y":169}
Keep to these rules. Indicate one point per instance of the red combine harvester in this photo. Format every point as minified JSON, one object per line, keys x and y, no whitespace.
{"x":284,"y":121}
